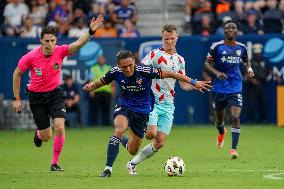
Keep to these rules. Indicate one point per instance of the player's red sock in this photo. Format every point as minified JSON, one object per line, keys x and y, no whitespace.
{"x":57,"y":148}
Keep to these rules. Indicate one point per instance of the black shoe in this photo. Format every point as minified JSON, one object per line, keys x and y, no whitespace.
{"x":55,"y":167}
{"x":106,"y":173}
{"x":37,"y":141}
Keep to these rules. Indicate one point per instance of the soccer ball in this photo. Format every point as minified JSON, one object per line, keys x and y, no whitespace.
{"x":174,"y":166}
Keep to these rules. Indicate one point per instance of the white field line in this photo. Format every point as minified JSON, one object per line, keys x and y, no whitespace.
{"x":274,"y":176}
{"x":275,"y":172}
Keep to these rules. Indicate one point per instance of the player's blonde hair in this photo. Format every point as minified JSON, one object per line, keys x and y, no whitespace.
{"x":169,"y":28}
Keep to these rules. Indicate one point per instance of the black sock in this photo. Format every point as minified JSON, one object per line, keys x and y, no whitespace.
{"x":220,"y":129}
{"x":112,"y":150}
{"x":235,"y":137}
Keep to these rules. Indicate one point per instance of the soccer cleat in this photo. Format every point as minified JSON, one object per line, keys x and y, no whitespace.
{"x":106,"y":173}
{"x":221,"y":139}
{"x":131,"y":168}
{"x":37,"y":141}
{"x":55,"y":167}
{"x":234,"y":154}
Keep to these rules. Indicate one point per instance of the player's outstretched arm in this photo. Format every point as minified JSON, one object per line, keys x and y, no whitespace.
{"x":93,"y":85}
{"x":16,"y":90}
{"x":200,"y":85}
{"x":94,"y":25}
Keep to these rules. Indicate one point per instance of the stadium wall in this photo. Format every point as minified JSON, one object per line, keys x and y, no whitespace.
{"x":191,"y":107}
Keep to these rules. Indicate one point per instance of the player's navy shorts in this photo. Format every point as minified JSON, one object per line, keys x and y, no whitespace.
{"x":45,"y":105}
{"x":136,"y":121}
{"x":222,"y":100}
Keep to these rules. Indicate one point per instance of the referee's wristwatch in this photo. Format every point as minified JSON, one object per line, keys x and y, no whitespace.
{"x":16,"y":98}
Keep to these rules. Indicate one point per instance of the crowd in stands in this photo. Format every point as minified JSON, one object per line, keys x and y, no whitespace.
{"x":25,"y":18}
{"x":204,"y":17}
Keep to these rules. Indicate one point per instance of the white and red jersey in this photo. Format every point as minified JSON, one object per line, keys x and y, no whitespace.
{"x":164,"y":89}
{"x":45,"y":71}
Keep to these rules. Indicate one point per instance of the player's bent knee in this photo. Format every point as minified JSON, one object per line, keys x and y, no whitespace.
{"x":150,"y":136}
{"x":119,"y":133}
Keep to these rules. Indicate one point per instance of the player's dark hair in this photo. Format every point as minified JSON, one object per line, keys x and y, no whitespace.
{"x":169,"y":28}
{"x":231,"y":21}
{"x":123,"y":54}
{"x":48,"y":30}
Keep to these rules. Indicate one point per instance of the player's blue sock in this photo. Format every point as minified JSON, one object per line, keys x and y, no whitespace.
{"x":124,"y":141}
{"x":112,"y":150}
{"x":235,"y":137}
{"x":220,"y":128}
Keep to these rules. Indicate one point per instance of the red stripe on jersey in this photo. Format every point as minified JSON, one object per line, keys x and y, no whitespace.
{"x":179,"y":60}
{"x":161,"y":97}
{"x":152,"y":54}
{"x":172,"y":92}
{"x":158,"y":87}
{"x":162,"y":59}
{"x":181,"y":72}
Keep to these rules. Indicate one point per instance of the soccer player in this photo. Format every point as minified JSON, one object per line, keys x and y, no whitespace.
{"x":45,"y":96}
{"x":161,"y":118}
{"x":134,"y":102}
{"x":223,"y":61}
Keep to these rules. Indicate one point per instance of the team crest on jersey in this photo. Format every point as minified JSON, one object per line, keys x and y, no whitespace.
{"x":38,"y":71}
{"x":139,"y":81}
{"x":56,"y":66}
{"x":238,"y":52}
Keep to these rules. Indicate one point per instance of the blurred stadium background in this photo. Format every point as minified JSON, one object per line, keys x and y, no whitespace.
{"x":136,"y":26}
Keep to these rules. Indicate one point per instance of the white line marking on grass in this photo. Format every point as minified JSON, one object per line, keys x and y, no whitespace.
{"x":273,"y":176}
{"x":196,"y":171}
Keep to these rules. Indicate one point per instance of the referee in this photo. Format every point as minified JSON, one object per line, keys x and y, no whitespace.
{"x":46,"y":98}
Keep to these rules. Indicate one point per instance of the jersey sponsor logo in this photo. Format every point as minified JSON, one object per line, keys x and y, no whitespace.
{"x":56,"y":66}
{"x":38,"y":71}
{"x":231,"y":59}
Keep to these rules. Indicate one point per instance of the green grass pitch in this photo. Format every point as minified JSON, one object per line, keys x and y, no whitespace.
{"x":260,"y":166}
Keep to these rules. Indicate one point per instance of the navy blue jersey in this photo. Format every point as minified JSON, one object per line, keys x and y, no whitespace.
{"x":227,"y":60}
{"x":135,"y":91}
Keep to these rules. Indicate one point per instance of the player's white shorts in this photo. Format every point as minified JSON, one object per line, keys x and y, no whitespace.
{"x":162,"y":116}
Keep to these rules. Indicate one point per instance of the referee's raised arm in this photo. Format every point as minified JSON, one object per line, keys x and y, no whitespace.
{"x":94,"y":25}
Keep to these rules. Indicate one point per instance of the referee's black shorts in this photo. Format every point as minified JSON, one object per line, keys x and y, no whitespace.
{"x":45,"y":105}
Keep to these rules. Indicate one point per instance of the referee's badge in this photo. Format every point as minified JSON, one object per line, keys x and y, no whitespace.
{"x":56,"y":66}
{"x":38,"y":71}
